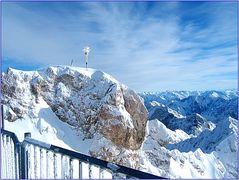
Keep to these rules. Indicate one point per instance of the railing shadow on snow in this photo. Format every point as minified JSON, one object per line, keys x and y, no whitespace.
{"x":33,"y":159}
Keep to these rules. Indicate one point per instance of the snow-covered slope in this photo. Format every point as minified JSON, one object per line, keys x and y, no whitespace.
{"x":176,"y":164}
{"x":192,"y":112}
{"x":221,"y":141}
{"x":48,"y":128}
{"x":192,"y":124}
{"x":91,"y":112}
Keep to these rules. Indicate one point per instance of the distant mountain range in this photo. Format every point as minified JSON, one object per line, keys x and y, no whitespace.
{"x":209,"y":118}
{"x":212,"y":105}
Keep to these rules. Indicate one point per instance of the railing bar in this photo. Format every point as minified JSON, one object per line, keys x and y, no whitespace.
{"x":101,"y":173}
{"x":62,"y":167}
{"x":4,"y":156}
{"x":90,"y":171}
{"x":19,"y":160}
{"x":47,"y":164}
{"x":35,"y":162}
{"x":80,"y":169}
{"x":67,"y":164}
{"x":12,"y":159}
{"x":71,"y":168}
{"x":28,"y":151}
{"x":30,"y":169}
{"x":26,"y":161}
{"x":7,"y":159}
{"x":16,"y":160}
{"x":41,"y":159}
{"x":32,"y":162}
{"x":2,"y":116}
{"x":55,"y":165}
{"x":113,"y":175}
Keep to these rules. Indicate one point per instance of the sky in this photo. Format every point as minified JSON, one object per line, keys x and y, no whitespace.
{"x":149,"y":46}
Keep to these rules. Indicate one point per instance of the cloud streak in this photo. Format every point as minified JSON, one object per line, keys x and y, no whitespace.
{"x":148,"y":46}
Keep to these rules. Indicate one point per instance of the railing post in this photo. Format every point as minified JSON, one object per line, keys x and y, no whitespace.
{"x":2,"y":116}
{"x":80,"y":169}
{"x":41,"y":163}
{"x":71,"y":168}
{"x":24,"y":158}
{"x":27,"y":135}
{"x":23,"y":163}
{"x":17,"y":159}
{"x":90,"y":170}
{"x":55,"y":165}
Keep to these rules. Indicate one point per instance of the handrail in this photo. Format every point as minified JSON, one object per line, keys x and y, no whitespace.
{"x":129,"y":172}
{"x":11,"y":134}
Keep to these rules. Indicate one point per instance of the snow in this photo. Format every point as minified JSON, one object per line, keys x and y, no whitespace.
{"x":196,"y":164}
{"x":89,"y":72}
{"x":48,"y":128}
{"x":222,"y":162}
{"x":215,"y":95}
{"x":62,"y":90}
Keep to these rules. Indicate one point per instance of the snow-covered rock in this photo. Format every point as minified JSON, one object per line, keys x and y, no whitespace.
{"x":89,"y":100}
{"x":221,"y":141}
{"x":174,"y":163}
{"x":192,"y":124}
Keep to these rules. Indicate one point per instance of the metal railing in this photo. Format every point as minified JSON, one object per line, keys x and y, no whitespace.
{"x":32,"y":159}
{"x":9,"y":155}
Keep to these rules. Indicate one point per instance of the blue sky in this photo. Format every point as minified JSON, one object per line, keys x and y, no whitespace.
{"x":149,"y":46}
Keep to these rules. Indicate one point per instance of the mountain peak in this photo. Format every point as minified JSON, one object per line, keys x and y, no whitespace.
{"x":90,"y":100}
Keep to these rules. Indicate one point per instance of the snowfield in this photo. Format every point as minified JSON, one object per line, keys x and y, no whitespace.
{"x":182,"y":138}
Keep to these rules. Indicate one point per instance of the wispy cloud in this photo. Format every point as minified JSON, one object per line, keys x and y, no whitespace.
{"x":148,"y":46}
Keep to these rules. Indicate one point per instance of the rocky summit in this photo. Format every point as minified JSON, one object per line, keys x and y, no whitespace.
{"x":90,"y":100}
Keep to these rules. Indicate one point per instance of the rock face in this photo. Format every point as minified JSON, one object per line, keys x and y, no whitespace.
{"x":91,"y":101}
